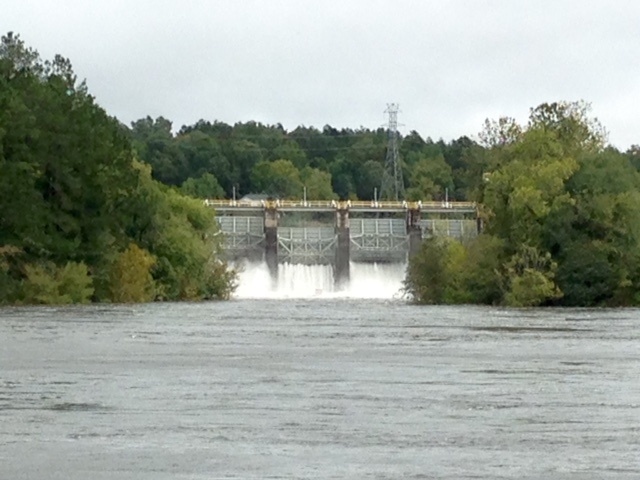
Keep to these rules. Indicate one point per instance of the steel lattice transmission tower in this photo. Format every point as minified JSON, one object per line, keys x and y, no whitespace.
{"x":392,"y":183}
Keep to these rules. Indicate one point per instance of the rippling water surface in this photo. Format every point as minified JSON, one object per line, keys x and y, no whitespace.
{"x":324,"y":388}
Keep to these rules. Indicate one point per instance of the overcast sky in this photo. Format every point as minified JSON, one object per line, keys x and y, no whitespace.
{"x":449,"y":64}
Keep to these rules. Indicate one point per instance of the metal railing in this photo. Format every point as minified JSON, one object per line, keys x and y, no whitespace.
{"x":337,"y":205}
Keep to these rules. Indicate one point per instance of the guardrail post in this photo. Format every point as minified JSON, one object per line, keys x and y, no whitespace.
{"x":271,"y":239}
{"x":341,"y":269}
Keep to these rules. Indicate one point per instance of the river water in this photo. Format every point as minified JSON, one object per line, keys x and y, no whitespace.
{"x":318,"y":388}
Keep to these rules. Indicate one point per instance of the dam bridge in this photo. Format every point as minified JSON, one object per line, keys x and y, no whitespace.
{"x":336,"y":232}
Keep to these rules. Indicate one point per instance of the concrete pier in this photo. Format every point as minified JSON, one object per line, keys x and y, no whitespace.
{"x":271,"y":240}
{"x":343,"y":241}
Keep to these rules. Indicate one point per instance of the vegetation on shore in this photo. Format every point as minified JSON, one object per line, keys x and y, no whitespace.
{"x":92,"y":210}
{"x":562,"y":220}
{"x":559,"y":206}
{"x":81,"y":218}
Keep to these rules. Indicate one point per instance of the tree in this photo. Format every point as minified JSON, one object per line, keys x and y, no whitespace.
{"x":483,"y":270}
{"x":500,"y":133}
{"x":131,"y":279}
{"x":182,"y":235}
{"x":429,"y":179}
{"x":572,"y":125}
{"x":556,"y":193}
{"x":280,"y":179}
{"x":72,"y":196}
{"x":65,"y":166}
{"x":597,"y":239}
{"x":243,"y":156}
{"x":45,"y":283}
{"x":291,"y":151}
{"x":317,"y":184}
{"x":562,"y":218}
{"x":370,"y":180}
{"x":521,"y":194}
{"x":530,"y":278}
{"x":435,"y":272}
{"x":155,"y":144}
{"x":205,"y":186}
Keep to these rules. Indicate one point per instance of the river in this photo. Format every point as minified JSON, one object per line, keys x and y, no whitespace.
{"x":318,"y":388}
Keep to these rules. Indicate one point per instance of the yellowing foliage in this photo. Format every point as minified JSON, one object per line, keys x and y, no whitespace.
{"x":48,"y":284}
{"x":130,"y":278}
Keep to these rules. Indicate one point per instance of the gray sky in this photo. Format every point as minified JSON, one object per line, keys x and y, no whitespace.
{"x":449,"y":64}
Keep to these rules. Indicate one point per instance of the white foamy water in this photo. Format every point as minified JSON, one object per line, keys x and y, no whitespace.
{"x":368,"y":280}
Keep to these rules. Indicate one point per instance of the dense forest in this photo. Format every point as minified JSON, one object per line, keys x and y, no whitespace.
{"x":81,"y":218}
{"x":214,"y":160}
{"x":94,"y":210}
{"x":561,"y":207}
{"x":562,"y":217}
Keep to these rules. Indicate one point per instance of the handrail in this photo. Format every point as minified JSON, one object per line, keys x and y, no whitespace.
{"x":315,"y":204}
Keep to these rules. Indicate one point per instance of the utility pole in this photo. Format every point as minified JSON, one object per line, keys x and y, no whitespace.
{"x":392,"y":183}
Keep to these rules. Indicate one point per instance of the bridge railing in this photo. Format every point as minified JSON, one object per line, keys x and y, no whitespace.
{"x":335,"y":204}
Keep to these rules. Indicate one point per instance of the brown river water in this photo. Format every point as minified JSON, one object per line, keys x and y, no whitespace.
{"x":322,"y":388}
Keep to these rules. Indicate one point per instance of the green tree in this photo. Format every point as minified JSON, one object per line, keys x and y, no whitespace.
{"x":279,"y":178}
{"x":483,"y":270}
{"x":342,"y":181}
{"x":182,"y":235}
{"x":435,"y":273}
{"x":571,"y":124}
{"x":156,"y":145}
{"x":500,"y":133}
{"x":370,"y":180}
{"x":205,"y":186}
{"x":9,"y":285}
{"x":317,"y":184}
{"x":562,"y":217}
{"x":64,"y":163}
{"x":291,"y":151}
{"x":314,"y":143}
{"x":520,"y":195}
{"x":430,"y":178}
{"x":596,"y":239}
{"x":530,"y":277}
{"x":47,"y":284}
{"x":244,"y":155}
{"x":72,"y":195}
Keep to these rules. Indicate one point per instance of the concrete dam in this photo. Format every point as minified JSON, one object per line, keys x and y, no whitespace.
{"x":334,"y":233}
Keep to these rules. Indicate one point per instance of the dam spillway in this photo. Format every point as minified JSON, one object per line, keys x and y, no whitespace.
{"x":367,"y":280}
{"x":336,"y":234}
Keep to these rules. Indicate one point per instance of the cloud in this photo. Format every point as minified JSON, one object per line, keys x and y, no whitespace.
{"x":449,"y":64}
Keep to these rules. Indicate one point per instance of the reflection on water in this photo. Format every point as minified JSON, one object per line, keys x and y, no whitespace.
{"x":318,"y":388}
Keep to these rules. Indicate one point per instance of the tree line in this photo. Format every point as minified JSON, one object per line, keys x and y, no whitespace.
{"x":217,"y":160}
{"x":561,"y":207}
{"x":94,"y":210}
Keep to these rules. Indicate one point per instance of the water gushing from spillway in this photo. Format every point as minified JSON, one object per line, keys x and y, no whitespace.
{"x":368,"y":280}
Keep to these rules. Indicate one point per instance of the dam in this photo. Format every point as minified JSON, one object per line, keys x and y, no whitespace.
{"x":336,"y":233}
